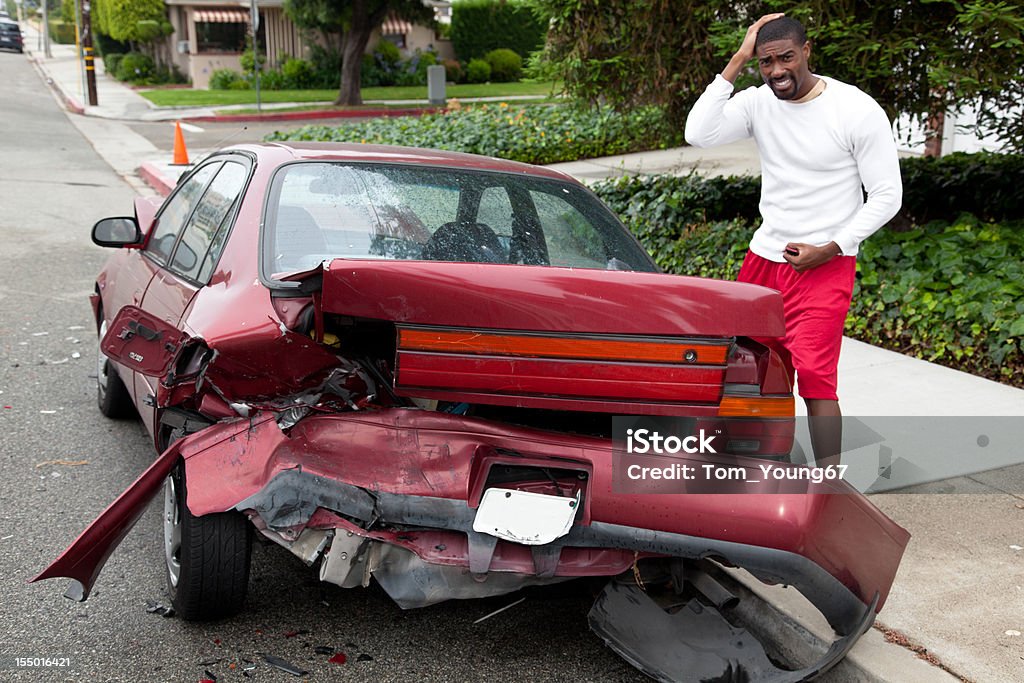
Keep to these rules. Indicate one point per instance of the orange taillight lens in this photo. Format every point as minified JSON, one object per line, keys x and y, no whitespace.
{"x":757,"y":406}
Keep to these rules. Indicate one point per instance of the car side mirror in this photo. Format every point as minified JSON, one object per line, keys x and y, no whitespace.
{"x":116,"y":232}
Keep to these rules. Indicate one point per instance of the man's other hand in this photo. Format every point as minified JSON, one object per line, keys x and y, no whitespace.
{"x":807,"y":256}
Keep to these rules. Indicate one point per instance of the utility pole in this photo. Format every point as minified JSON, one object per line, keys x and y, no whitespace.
{"x":90,"y":67}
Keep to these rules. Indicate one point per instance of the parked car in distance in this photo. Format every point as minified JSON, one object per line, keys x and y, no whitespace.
{"x":406,"y":365}
{"x":10,"y":35}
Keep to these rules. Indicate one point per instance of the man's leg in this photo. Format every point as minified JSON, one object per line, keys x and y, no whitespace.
{"x":825,"y":423}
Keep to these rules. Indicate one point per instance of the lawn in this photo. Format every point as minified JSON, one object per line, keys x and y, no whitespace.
{"x":183,"y":97}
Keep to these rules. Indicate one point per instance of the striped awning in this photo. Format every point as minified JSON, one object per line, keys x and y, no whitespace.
{"x":221,"y":16}
{"x":394,"y":26}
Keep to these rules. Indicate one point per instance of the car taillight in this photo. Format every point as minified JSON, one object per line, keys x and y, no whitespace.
{"x":756,"y":406}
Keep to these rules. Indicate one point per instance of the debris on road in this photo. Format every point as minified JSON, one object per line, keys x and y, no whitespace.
{"x":338,"y":658}
{"x":69,"y":463}
{"x":159,"y":608}
{"x":284,"y":665}
{"x":499,"y":611}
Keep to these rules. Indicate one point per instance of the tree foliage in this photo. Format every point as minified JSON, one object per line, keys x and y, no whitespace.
{"x":480,"y":26}
{"x":346,"y":25}
{"x":633,"y":52}
{"x":131,"y":21}
{"x":914,"y":56}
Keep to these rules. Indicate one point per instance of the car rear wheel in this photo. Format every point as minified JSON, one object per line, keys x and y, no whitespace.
{"x":207,"y":557}
{"x":111,"y":394}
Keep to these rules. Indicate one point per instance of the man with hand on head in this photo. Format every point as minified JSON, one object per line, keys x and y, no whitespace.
{"x":822,"y":144}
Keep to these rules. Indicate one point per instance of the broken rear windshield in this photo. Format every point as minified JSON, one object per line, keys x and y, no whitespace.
{"x":320,"y":211}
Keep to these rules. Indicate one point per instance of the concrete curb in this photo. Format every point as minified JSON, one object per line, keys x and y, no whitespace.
{"x":156,"y":178}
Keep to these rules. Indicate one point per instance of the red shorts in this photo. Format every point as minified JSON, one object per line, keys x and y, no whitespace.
{"x":815,"y":304}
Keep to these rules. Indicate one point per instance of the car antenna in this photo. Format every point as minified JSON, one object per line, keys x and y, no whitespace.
{"x":220,"y":144}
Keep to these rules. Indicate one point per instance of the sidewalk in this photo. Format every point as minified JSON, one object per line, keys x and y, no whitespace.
{"x":960,"y":589}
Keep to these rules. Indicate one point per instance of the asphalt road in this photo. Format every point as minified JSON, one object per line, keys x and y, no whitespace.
{"x":61,"y":463}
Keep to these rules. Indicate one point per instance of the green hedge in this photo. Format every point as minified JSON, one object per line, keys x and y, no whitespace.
{"x":479,"y":26}
{"x":985,"y":185}
{"x":62,"y":32}
{"x":538,"y":134}
{"x":950,"y":291}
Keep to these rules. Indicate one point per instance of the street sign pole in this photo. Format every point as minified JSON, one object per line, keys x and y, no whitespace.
{"x":254,"y":21}
{"x":90,"y":67}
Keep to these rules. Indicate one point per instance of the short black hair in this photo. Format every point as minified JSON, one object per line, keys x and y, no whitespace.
{"x":781,"y":29}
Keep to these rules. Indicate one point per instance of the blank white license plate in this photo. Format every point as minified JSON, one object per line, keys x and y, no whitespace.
{"x":524,"y":517}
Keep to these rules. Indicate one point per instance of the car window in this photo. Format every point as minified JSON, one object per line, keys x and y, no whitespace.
{"x":318,"y":211}
{"x":570,"y":238}
{"x":496,"y":211}
{"x":175,"y":212}
{"x":190,"y":255}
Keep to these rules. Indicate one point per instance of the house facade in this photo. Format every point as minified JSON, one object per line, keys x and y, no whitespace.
{"x":211,"y":35}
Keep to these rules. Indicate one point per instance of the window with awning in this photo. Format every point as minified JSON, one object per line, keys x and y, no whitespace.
{"x":394,"y":26}
{"x":221,"y":29}
{"x":222,"y":16}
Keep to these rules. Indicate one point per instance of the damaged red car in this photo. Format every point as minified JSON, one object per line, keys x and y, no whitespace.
{"x":404,"y":366}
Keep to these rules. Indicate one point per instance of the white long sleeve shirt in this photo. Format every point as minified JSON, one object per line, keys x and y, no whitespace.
{"x":815,"y":158}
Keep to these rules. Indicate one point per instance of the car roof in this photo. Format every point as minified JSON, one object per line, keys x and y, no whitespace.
{"x":282,"y":152}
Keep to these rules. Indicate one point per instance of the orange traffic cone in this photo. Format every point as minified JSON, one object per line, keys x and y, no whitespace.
{"x":180,"y":153}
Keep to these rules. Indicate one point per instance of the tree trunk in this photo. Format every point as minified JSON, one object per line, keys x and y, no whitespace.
{"x":350,"y":92}
{"x":353,"y":45}
{"x":933,"y":133}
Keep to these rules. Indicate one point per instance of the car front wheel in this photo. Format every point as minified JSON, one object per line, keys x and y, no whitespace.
{"x":111,"y":394}
{"x":207,"y":557}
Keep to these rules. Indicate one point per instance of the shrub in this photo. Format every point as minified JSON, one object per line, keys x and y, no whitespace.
{"x":110,"y":63}
{"x":453,"y":71}
{"x":326,"y":66}
{"x":479,"y":26}
{"x":506,"y":65}
{"x":241,"y":84}
{"x":387,"y":53}
{"x":478,"y":71}
{"x":134,"y":67}
{"x":222,"y":79}
{"x":248,"y":60}
{"x":62,"y":32}
{"x":298,"y":73}
{"x":414,"y":71}
{"x":105,"y":45}
{"x":371,"y":74}
{"x":539,"y":134}
{"x":273,"y":80}
{"x":985,"y":184}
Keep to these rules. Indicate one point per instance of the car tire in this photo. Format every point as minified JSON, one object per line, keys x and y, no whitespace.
{"x":112,"y":395}
{"x":207,"y":558}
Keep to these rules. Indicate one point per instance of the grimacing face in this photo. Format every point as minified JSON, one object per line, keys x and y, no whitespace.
{"x":783,"y":65}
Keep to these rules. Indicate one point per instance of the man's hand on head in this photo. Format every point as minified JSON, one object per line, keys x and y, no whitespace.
{"x":746,"y":51}
{"x":807,"y":256}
